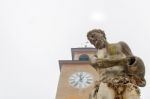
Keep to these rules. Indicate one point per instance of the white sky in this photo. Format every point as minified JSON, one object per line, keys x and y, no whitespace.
{"x":35,"y":34}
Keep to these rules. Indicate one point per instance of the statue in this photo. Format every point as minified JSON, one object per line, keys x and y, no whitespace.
{"x":120,"y":72}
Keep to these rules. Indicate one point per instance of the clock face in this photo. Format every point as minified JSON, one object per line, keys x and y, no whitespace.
{"x":80,"y":80}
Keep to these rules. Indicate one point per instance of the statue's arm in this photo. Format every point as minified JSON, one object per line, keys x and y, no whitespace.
{"x":136,"y":67}
{"x":125,"y":49}
{"x":106,"y":63}
{"x":136,"y":71}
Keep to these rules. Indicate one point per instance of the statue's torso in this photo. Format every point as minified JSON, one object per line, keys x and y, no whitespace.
{"x":114,"y":52}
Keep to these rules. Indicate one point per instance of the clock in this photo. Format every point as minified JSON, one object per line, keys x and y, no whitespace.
{"x":80,"y":80}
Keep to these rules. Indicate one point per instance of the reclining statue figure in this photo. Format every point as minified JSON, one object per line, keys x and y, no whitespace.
{"x":120,"y":72}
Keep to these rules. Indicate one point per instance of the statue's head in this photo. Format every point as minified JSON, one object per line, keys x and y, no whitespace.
{"x":97,"y":38}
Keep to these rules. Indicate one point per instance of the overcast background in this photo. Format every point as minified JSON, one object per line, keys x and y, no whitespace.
{"x":35,"y":34}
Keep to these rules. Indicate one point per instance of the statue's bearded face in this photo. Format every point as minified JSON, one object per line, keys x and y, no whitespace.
{"x":97,"y":39}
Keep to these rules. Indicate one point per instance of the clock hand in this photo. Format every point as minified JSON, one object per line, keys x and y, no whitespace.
{"x":75,"y":84}
{"x":82,"y":77}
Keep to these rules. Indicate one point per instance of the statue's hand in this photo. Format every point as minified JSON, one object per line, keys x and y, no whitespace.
{"x":99,"y":62}
{"x":93,"y":60}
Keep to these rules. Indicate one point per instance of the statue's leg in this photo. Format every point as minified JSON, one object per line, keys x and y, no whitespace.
{"x":93,"y":95}
{"x":131,"y":92}
{"x":105,"y":92}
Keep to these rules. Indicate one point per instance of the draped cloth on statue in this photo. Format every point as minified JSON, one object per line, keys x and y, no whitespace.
{"x":104,"y":91}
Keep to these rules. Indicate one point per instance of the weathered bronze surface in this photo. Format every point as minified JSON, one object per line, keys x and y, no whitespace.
{"x":120,"y":72}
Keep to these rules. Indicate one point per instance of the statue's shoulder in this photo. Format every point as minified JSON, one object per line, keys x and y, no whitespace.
{"x":119,"y":44}
{"x":123,"y":44}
